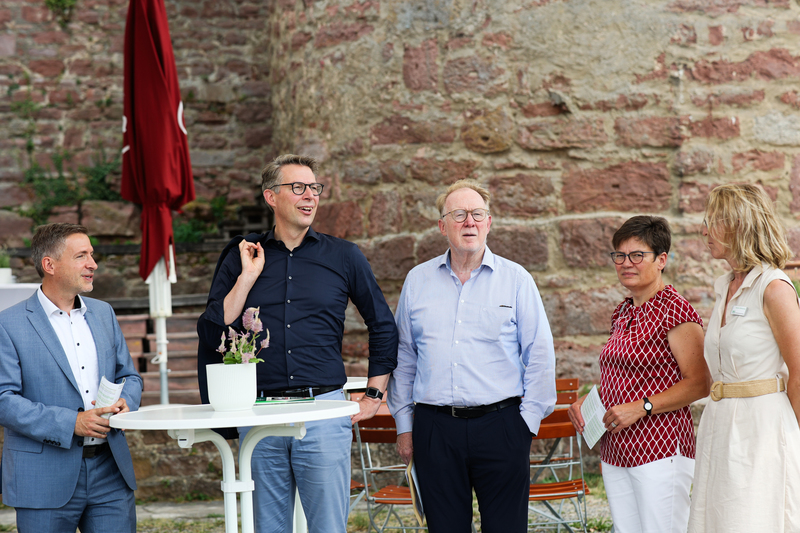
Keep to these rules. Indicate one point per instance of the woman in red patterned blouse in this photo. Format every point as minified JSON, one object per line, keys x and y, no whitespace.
{"x":651,"y":368}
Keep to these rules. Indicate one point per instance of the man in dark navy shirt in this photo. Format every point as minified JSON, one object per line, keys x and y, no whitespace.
{"x":302,"y":281}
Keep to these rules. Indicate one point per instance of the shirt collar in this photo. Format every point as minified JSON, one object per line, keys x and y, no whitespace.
{"x":488,"y":259}
{"x":749,"y":279}
{"x":50,"y":308}
{"x":309,"y":234}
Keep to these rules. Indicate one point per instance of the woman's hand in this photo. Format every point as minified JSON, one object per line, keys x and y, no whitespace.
{"x":623,"y":416}
{"x":575,"y":416}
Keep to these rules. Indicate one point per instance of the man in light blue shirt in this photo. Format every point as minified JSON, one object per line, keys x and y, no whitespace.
{"x":475,"y":373}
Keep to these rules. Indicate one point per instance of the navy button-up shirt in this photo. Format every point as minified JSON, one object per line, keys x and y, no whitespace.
{"x":303,"y":295}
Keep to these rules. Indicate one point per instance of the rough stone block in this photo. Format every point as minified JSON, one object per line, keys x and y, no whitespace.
{"x":110,"y":219}
{"x":343,"y":220}
{"x":587,"y":242}
{"x":777,"y":129}
{"x":14,"y":228}
{"x":432,"y":244}
{"x":559,"y":134}
{"x":582,"y":312}
{"x":339,"y":32}
{"x":649,"y":131}
{"x":419,"y":209}
{"x":692,"y":196}
{"x":630,"y":186}
{"x":212,"y":158}
{"x":385,"y":214}
{"x":544,"y":109}
{"x":402,"y":130}
{"x":8,"y":45}
{"x":715,"y":8}
{"x":420,"y":68}
{"x":13,"y":195}
{"x":694,"y":162}
{"x":773,"y":64}
{"x":716,"y":35}
{"x":471,"y":74}
{"x":718,"y":128}
{"x":524,"y":245}
{"x":758,"y":160}
{"x":391,"y":258}
{"x":360,"y":172}
{"x":794,"y":187}
{"x":730,"y":98}
{"x":577,"y":360}
{"x":623,"y":102}
{"x":488,"y":132}
{"x":521,"y":195}
{"x":791,"y":98}
{"x":49,"y":68}
{"x":258,"y":137}
{"x":393,"y":171}
{"x":441,"y":172}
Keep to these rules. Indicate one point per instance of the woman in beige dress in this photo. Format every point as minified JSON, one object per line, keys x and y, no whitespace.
{"x":747,"y":469}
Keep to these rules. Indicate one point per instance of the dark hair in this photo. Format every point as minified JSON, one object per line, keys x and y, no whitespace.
{"x":49,"y":241}
{"x":653,"y":231}
{"x":271,"y":175}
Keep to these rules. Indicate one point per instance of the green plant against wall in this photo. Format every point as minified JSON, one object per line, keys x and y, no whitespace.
{"x":62,"y":10}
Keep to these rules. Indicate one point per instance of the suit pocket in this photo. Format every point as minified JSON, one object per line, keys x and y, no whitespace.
{"x":19,"y":443}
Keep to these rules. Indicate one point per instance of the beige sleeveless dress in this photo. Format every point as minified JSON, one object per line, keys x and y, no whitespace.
{"x":747,"y":469}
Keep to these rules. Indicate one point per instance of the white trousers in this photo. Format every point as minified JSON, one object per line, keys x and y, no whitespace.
{"x":651,"y":498}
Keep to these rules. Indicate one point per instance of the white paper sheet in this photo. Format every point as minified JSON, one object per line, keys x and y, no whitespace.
{"x":592,"y":411}
{"x":107,"y":394}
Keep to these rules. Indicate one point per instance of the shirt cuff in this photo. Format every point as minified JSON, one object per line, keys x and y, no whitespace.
{"x":532,"y":421}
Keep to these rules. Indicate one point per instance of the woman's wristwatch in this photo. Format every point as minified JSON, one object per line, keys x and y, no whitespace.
{"x":648,"y":406}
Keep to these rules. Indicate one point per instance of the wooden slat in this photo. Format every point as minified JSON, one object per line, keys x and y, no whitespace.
{"x":559,"y":490}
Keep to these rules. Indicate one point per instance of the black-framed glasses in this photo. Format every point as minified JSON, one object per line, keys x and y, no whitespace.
{"x":298,"y":187}
{"x":635,"y":257}
{"x":460,"y":215}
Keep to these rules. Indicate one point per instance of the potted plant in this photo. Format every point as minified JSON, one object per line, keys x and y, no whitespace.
{"x":5,"y":267}
{"x":232,"y":383}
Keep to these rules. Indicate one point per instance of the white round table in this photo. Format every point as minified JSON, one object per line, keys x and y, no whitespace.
{"x":195,"y":423}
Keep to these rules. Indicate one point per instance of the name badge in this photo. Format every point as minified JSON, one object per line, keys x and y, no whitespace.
{"x":738,"y":310}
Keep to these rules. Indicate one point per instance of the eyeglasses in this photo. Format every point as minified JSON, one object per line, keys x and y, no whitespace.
{"x":460,"y":215}
{"x":298,"y":187}
{"x":635,"y":257}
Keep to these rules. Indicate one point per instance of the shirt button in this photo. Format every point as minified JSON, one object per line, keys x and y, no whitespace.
{"x":288,"y":301}
{"x":455,"y":364}
{"x":459,"y":322}
{"x":456,"y":342}
{"x":288,"y":325}
{"x":288,"y":351}
{"x":290,"y":277}
{"x":462,"y":301}
{"x":291,"y":377}
{"x":456,"y":387}
{"x":291,"y":255}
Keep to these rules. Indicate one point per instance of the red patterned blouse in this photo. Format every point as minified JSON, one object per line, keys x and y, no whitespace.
{"x":637,"y":362}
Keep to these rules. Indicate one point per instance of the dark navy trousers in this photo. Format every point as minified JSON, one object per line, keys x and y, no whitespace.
{"x":489,"y":454}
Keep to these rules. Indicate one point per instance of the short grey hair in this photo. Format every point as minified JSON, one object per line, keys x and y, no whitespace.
{"x":50,"y":240}
{"x":271,"y":175}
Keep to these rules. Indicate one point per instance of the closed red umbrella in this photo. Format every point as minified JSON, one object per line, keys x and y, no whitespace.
{"x":156,"y":171}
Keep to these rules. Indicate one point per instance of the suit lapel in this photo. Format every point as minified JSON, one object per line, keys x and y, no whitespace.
{"x":41,"y":324}
{"x":105,"y":362}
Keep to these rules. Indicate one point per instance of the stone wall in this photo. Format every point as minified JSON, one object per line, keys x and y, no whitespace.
{"x":576,"y":113}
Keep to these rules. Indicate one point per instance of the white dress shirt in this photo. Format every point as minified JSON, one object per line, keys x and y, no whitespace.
{"x":78,"y":343}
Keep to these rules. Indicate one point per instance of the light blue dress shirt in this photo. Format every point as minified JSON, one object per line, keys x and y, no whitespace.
{"x":475,"y":344}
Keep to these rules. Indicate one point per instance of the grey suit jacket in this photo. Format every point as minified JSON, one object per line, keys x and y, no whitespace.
{"x":40,"y":401}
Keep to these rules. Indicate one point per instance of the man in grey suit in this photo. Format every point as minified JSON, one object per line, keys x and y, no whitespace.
{"x":63,"y":467}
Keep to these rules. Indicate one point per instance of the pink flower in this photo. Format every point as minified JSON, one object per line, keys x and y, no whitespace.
{"x":221,"y":348}
{"x":250,"y":319}
{"x":247,"y":356}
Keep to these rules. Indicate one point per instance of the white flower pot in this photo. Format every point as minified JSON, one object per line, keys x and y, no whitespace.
{"x":231,"y":387}
{"x":5,"y":276}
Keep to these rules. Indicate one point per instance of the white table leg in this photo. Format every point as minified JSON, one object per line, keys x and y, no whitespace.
{"x":300,"y":524}
{"x":246,"y":448}
{"x":186,"y":438}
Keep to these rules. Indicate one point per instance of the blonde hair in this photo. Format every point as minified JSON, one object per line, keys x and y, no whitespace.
{"x":462,"y":184}
{"x":748,"y":227}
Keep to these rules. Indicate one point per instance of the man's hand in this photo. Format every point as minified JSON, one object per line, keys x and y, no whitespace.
{"x":367,"y":409}
{"x":405,"y":447}
{"x":91,"y":424}
{"x":252,"y":255}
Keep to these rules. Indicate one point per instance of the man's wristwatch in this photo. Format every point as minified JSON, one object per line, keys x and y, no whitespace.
{"x":648,"y":406}
{"x":374,"y":393}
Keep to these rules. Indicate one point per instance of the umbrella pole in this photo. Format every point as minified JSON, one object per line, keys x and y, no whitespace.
{"x":161,"y":350}
{"x":161,"y":308}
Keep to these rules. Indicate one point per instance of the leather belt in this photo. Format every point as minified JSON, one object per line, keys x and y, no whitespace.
{"x":304,"y":392}
{"x":475,"y":411}
{"x":94,"y":451}
{"x":746,"y":389}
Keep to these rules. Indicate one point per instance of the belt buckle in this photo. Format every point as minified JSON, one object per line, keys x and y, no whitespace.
{"x":716,"y":391}
{"x":453,"y":412}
